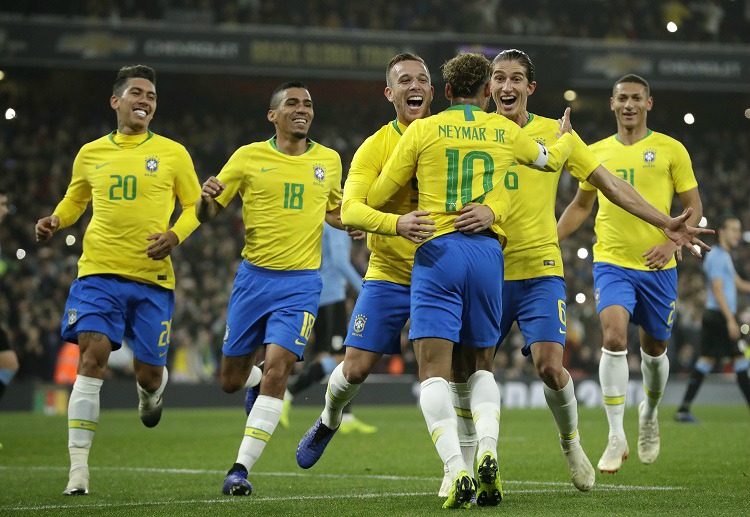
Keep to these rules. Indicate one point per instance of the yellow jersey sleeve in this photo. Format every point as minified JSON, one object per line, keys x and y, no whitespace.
{"x":581,"y":162}
{"x":77,"y":196}
{"x":392,"y":256}
{"x":188,"y":191}
{"x":232,"y":175}
{"x":366,"y":166}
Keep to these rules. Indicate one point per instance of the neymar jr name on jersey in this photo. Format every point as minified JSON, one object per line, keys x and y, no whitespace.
{"x":469,"y":133}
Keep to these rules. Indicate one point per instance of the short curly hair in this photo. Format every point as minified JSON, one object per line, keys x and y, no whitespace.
{"x":467,"y":74}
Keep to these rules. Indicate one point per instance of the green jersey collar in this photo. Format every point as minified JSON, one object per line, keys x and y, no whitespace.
{"x":272,"y":141}
{"x":648,"y":134}
{"x":113,"y":133}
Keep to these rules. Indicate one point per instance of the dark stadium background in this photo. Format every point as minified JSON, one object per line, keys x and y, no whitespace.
{"x":217,"y":62}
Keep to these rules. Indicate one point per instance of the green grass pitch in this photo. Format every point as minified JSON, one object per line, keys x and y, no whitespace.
{"x":178,"y":467}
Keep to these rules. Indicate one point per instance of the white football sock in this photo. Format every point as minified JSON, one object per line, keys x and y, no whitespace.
{"x":83,"y":418}
{"x":338,"y":395}
{"x":655,"y":374}
{"x":613,"y":377}
{"x":261,"y":423}
{"x":435,"y":401}
{"x":485,"y":408}
{"x":149,"y":398}
{"x":467,"y":433}
{"x":256,"y":375}
{"x":564,"y":409}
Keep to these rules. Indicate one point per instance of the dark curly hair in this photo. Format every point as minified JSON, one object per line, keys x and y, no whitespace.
{"x":126,"y":73}
{"x":467,"y":74}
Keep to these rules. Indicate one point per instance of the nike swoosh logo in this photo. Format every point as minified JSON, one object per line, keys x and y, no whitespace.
{"x":604,"y":160}
{"x":263,"y":169}
{"x":562,"y":331}
{"x":296,"y":342}
{"x":163,"y":353}
{"x":102,"y":165}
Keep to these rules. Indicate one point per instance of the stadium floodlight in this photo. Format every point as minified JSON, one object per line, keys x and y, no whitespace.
{"x":672,"y":27}
{"x":2,"y":75}
{"x":745,"y":328}
{"x":70,"y":240}
{"x":703,"y":222}
{"x":10,"y":114}
{"x":570,"y":95}
{"x":746,"y":236}
{"x":583,"y":253}
{"x":689,"y":118}
{"x":580,"y":297}
{"x":20,"y":254}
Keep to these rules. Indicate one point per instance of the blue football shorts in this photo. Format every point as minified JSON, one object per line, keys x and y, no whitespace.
{"x":121,"y":309}
{"x":269,"y":306}
{"x":538,"y":305}
{"x":649,"y":296}
{"x":381,"y":311}
{"x":456,"y":290}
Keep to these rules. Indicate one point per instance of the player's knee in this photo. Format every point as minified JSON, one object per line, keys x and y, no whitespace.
{"x":551,"y":374}
{"x":355,"y":373}
{"x":91,"y":366}
{"x":615,"y":341}
{"x":231,"y":384}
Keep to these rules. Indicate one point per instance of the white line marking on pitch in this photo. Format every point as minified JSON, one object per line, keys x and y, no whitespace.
{"x":348,"y":476}
{"x":235,"y":500}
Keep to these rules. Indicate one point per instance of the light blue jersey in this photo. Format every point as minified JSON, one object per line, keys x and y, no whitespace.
{"x":718,"y":265}
{"x":336,"y":268}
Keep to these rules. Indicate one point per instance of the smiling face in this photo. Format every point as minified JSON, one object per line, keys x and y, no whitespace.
{"x":410,"y":90}
{"x":511,"y":88}
{"x":293,"y":113}
{"x":631,"y":104}
{"x":135,"y":107}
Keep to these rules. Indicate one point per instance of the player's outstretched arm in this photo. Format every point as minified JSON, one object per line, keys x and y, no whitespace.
{"x":575,"y":213}
{"x":45,"y":227}
{"x":678,"y":231}
{"x":207,"y":207}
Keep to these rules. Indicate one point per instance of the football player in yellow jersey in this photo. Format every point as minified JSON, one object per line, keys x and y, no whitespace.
{"x":289,"y":185}
{"x":635,"y":275}
{"x":125,"y":284}
{"x":451,"y":299}
{"x":382,"y":307}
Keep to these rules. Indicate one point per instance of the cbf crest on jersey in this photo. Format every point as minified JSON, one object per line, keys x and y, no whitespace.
{"x":320,"y":172}
{"x":72,"y":316}
{"x":152,"y":164}
{"x":649,"y":156}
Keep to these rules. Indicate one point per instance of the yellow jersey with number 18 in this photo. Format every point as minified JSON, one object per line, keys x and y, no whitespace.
{"x":657,"y":166}
{"x":284,"y":201}
{"x":132,"y":182}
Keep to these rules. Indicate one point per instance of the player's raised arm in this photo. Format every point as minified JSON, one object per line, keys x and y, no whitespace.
{"x":537,"y":155}
{"x":575,"y":213}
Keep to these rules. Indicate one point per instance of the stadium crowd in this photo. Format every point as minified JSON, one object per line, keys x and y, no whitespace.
{"x":37,"y":151}
{"x":620,"y":20}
